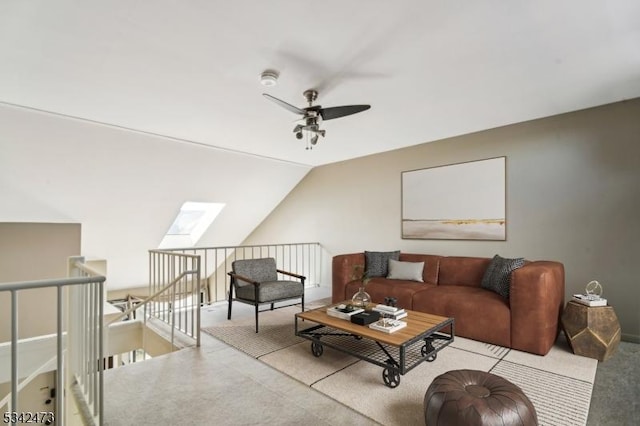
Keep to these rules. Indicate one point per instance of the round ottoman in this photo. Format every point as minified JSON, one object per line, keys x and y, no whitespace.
{"x":471,"y":397}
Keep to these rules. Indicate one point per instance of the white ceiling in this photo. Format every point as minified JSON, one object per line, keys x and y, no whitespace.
{"x":430,"y":69}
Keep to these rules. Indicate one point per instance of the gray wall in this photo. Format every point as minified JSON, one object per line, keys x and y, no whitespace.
{"x":573,"y":195}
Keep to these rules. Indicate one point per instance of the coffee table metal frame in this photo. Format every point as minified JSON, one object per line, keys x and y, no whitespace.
{"x":373,"y":346}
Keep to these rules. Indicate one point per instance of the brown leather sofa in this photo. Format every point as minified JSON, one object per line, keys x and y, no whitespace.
{"x":528,"y":321}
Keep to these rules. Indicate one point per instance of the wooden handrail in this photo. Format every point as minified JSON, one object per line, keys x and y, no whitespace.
{"x":250,"y":281}
{"x":291,"y":274}
{"x":88,"y":269}
{"x":153,"y":296}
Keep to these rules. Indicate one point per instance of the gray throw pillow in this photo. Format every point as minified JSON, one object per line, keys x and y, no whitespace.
{"x":411,"y":271}
{"x":376,"y":263}
{"x":497,"y":277}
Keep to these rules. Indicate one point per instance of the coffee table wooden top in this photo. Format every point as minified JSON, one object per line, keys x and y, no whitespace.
{"x":419,"y":325}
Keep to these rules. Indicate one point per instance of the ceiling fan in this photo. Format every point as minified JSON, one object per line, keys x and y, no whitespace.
{"x":313,"y":115}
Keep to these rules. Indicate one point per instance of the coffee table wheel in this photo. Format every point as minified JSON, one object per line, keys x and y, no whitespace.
{"x":424,"y":352}
{"x":390,"y":377}
{"x":316,"y":349}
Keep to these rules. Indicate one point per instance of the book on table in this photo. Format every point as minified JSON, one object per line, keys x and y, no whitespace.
{"x":387,"y":308}
{"x":395,"y":313}
{"x":388,"y":326}
{"x":589,"y":300}
{"x":401,"y":315}
{"x":343,"y":312}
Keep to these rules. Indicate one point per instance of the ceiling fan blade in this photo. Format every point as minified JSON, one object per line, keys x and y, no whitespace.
{"x":341,"y":111}
{"x":284,"y":104}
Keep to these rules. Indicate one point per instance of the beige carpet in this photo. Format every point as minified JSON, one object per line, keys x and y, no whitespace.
{"x":559,"y":384}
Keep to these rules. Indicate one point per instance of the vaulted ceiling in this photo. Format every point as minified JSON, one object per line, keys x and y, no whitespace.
{"x":430,"y":69}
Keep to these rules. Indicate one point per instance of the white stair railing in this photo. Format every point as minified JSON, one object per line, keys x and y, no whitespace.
{"x":175,"y":285}
{"x":160,"y":296}
{"x":300,"y":258}
{"x":79,"y":355}
{"x":86,"y":335}
{"x":79,"y":343}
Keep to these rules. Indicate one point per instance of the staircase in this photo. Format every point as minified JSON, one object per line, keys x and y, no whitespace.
{"x":85,"y":344}
{"x":90,"y":338}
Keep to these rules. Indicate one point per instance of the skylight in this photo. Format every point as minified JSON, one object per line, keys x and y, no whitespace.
{"x":190,"y":224}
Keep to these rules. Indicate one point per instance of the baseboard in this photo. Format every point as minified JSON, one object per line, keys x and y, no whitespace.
{"x":630,"y":338}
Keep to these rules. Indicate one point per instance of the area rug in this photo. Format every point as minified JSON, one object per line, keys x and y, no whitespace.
{"x":559,"y":384}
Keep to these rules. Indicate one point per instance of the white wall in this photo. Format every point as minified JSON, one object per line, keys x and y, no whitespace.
{"x":573,"y":195}
{"x":125,"y":187}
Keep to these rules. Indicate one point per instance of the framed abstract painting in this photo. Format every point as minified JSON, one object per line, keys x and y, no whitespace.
{"x":464,"y":201}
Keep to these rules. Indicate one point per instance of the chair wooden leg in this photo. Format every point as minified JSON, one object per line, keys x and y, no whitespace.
{"x":302,"y":302}
{"x":230,"y":300}
{"x":272,"y":306}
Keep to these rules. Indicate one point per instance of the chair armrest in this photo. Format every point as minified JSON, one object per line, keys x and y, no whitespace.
{"x":302,"y":277}
{"x":242,"y":278}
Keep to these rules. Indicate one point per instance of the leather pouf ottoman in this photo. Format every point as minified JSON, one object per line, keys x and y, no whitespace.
{"x":471,"y":397}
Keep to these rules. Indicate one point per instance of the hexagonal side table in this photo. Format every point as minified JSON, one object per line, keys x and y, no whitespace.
{"x":592,"y":331}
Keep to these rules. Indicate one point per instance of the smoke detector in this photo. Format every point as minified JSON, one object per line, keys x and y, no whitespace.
{"x":269,"y":78}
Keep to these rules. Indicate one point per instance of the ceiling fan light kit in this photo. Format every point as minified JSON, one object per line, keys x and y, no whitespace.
{"x":313,"y":115}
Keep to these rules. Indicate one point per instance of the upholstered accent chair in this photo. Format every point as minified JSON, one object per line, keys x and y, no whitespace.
{"x":255,"y":282}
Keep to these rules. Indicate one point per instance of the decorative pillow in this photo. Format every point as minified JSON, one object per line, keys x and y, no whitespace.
{"x":411,"y":271}
{"x":376,"y":263}
{"x":497,"y":277}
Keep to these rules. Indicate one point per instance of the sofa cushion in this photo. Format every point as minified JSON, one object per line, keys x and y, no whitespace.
{"x":431,"y":265}
{"x":379,"y":288}
{"x":377,"y":262}
{"x":480,"y":314}
{"x":271,"y":290}
{"x":497,"y":277}
{"x":411,"y":271}
{"x":256,"y":269}
{"x":466,"y":271}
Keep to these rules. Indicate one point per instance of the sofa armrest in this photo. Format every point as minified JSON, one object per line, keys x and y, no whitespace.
{"x":536,"y":301}
{"x":341,"y":273}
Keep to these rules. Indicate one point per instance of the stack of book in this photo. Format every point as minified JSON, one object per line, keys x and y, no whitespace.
{"x":390,"y":311}
{"x":343,"y":312}
{"x":589,"y":299}
{"x":388,"y":325}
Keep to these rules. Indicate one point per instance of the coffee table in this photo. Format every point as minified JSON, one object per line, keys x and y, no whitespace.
{"x":398,"y":353}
